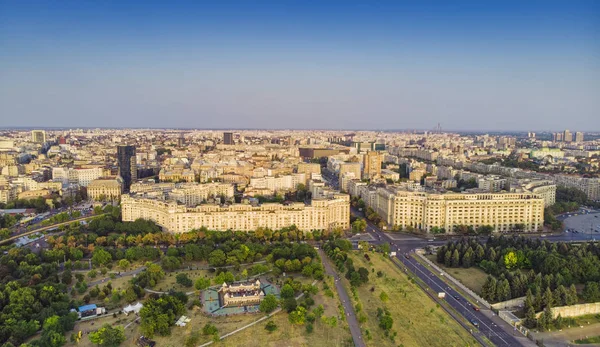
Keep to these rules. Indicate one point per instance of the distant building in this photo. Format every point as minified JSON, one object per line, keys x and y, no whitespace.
{"x":353,"y":168}
{"x":568,"y":136}
{"x":579,"y":136}
{"x":308,"y":169}
{"x":228,"y":138}
{"x":372,"y":165}
{"x":38,"y":136}
{"x":126,"y":161}
{"x":105,"y":188}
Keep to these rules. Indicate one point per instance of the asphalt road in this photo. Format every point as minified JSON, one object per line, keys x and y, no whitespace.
{"x":498,"y":334}
{"x":349,"y":310}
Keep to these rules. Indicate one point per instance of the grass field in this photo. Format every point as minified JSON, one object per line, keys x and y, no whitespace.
{"x":291,"y":335}
{"x":589,"y":340}
{"x":473,"y":277}
{"x":418,"y":320}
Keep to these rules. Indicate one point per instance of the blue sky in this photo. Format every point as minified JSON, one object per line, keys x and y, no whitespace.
{"x":469,"y":65}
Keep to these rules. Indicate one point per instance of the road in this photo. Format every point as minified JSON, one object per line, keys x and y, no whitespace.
{"x":346,"y":302}
{"x":13,"y":238}
{"x":499,"y":334}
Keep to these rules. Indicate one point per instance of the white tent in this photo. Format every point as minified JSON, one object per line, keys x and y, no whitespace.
{"x":133,"y":308}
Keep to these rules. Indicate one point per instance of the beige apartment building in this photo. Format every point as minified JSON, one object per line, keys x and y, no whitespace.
{"x":422,"y":210}
{"x":308,"y":169}
{"x":194,"y":194}
{"x":105,"y":188}
{"x":372,"y":165}
{"x":350,"y":167}
{"x":321,"y":214}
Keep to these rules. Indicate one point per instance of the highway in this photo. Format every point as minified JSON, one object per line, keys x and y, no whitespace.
{"x":494,"y":332}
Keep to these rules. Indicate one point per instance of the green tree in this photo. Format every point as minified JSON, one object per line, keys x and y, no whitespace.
{"x":510,"y":260}
{"x":217,"y":258}
{"x":209,"y":329}
{"x":287,"y":291}
{"x":202,"y":283}
{"x":124,"y":264}
{"x":101,"y":257}
{"x":268,"y":304}
{"x":298,"y":316}
{"x":530,"y":320}
{"x":108,"y":336}
{"x":183,"y":279}
{"x":591,"y":292}
{"x":488,"y":290}
{"x":455,"y":259}
{"x":271,"y":326}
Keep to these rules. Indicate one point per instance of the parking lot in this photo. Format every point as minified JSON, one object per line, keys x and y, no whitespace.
{"x":585,"y":225}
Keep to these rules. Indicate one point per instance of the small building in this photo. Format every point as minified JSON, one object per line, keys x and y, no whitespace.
{"x":133,"y":308}
{"x":241,"y":294}
{"x":87,"y":310}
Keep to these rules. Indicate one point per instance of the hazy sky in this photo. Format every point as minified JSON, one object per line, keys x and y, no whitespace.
{"x":477,"y":65}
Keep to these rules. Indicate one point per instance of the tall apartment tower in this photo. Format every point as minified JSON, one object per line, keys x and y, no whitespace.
{"x":38,"y":136}
{"x":228,"y":138}
{"x":372,"y":165}
{"x":568,"y":136}
{"x":579,"y":136}
{"x":127,"y":165}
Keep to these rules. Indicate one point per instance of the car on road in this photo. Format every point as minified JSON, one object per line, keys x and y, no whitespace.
{"x":475,"y":308}
{"x":457,"y":297}
{"x":475,"y":323}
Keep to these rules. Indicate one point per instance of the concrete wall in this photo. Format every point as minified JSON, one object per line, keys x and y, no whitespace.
{"x":576,"y":310}
{"x":516,"y":302}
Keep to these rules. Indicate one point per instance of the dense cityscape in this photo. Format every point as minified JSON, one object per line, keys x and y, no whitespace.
{"x":101,"y":223}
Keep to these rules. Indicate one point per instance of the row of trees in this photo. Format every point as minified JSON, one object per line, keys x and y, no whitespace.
{"x":337,"y":250}
{"x":551,"y":265}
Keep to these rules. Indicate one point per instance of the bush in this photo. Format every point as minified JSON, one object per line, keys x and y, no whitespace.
{"x":271,"y":326}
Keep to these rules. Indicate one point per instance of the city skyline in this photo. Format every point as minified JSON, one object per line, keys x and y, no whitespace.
{"x":507,"y":66}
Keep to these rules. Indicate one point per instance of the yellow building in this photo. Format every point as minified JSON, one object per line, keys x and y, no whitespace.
{"x":321,"y":214}
{"x":372,"y":165}
{"x":105,"y":188}
{"x":422,"y":210}
{"x":308,"y":169}
{"x":241,"y":294}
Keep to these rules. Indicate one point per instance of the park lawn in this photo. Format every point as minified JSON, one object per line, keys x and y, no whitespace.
{"x":288,"y":334}
{"x":418,"y":320}
{"x":473,"y":277}
{"x":589,"y":340}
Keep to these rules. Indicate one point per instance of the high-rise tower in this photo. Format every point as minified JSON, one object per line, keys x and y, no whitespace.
{"x":127,"y":165}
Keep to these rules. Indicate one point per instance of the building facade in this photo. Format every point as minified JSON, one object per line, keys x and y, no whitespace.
{"x":321,"y":214}
{"x":126,"y":160}
{"x":372,"y":165}
{"x":241,"y":294}
{"x":105,"y":189}
{"x":422,"y":210}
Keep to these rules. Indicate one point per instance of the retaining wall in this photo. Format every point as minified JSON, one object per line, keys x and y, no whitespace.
{"x":576,"y":310}
{"x":516,"y":302}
